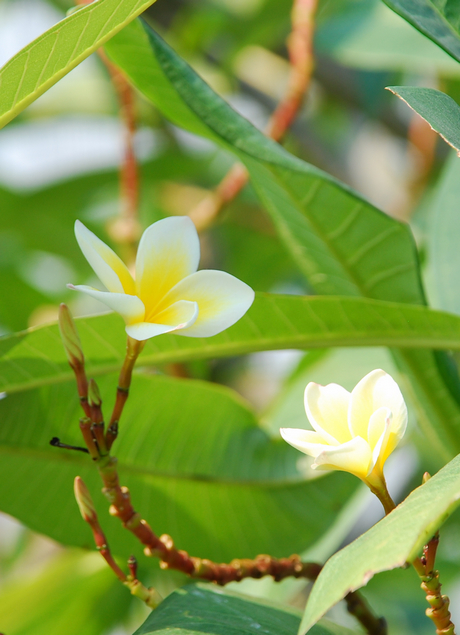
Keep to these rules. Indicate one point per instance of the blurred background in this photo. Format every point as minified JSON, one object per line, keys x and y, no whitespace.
{"x":59,"y":161}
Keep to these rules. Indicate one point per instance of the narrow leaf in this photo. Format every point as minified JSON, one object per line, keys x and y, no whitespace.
{"x":36,"y":357}
{"x":438,"y":109}
{"x":53,"y":54}
{"x":437,"y":20}
{"x":392,"y":542}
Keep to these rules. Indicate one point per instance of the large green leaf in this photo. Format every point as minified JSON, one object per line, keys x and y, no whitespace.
{"x":36,"y":357}
{"x":205,"y":473}
{"x":53,"y":54}
{"x":75,"y":593}
{"x":392,"y":542}
{"x":437,"y":19}
{"x":200,"y":608}
{"x":438,"y":109}
{"x":341,"y":243}
{"x":444,"y":229}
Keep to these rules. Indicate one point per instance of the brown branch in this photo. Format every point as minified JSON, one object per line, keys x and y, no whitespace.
{"x":300,"y":50}
{"x":88,"y":512}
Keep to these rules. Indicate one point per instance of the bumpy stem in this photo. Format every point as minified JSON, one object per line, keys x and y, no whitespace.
{"x":88,"y":512}
{"x":439,"y":604}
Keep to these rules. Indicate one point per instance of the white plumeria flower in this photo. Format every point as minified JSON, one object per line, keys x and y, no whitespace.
{"x":353,"y":432}
{"x":168,"y":294}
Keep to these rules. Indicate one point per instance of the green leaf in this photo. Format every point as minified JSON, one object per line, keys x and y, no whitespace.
{"x":437,"y":19}
{"x":372,"y":37}
{"x":342,"y":244}
{"x":206,"y":473}
{"x":443,"y":232}
{"x":53,"y":54}
{"x":36,"y":357}
{"x":392,"y":542}
{"x":438,"y":109}
{"x":202,"y":608}
{"x":75,"y":593}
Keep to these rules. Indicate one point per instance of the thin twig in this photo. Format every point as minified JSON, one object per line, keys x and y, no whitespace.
{"x":300,"y":49}
{"x":88,"y":512}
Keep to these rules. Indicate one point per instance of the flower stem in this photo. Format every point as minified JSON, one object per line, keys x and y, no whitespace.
{"x":133,"y":350}
{"x":383,"y":495}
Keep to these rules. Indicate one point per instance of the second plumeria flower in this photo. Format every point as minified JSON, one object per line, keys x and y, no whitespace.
{"x":353,"y":432}
{"x":168,"y":293}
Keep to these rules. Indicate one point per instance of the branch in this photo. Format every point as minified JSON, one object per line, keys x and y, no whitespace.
{"x":300,"y":49}
{"x":88,"y":512}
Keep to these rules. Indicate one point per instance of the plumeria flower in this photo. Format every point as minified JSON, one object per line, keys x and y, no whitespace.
{"x":354,"y":432}
{"x":168,"y":293}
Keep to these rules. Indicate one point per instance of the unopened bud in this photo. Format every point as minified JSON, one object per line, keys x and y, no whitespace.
{"x":94,"y":396}
{"x":426,"y":477}
{"x":70,"y":338}
{"x":84,"y":501}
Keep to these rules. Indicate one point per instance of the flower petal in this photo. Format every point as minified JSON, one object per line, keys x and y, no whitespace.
{"x":178,"y":316}
{"x":108,"y":267}
{"x":355,"y":457}
{"x":222,"y":300}
{"x":169,"y":251}
{"x":374,"y":391}
{"x":380,"y":424}
{"x":129,"y":307}
{"x":327,"y":408}
{"x":306,"y":441}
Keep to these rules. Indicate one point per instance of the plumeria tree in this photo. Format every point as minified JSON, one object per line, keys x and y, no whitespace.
{"x":236,"y":216}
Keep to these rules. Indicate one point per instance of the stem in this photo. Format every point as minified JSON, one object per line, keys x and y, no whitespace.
{"x":439,"y":604}
{"x":381,"y":491}
{"x":300,"y":49}
{"x":358,"y":607}
{"x":149,"y":596}
{"x":133,"y":349}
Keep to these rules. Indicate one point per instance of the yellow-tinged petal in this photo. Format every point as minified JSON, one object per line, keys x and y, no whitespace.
{"x":355,"y":457}
{"x":327,"y":410}
{"x":179,"y":316}
{"x":169,"y":251}
{"x":381,"y":443}
{"x":376,"y":390}
{"x":129,"y":307}
{"x":222,"y":300}
{"x":108,"y":267}
{"x":306,"y":441}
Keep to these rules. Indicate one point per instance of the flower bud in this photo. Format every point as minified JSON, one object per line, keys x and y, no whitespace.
{"x":84,"y":501}
{"x":94,"y":396}
{"x":70,"y":337}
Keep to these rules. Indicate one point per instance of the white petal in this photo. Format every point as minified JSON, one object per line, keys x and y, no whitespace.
{"x":129,"y":307}
{"x":108,"y":267}
{"x":169,"y":251}
{"x":355,"y":457}
{"x":306,"y":441}
{"x":222,"y":300}
{"x":376,"y":390}
{"x":180,"y":315}
{"x":327,"y":408}
{"x":380,"y":422}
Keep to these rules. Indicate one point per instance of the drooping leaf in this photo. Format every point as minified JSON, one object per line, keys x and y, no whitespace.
{"x":438,"y":109}
{"x":36,"y":357}
{"x":436,"y":19}
{"x":342,"y":244}
{"x":392,"y":542}
{"x":53,"y":54}
{"x":200,"y":608}
{"x":207,"y":474}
